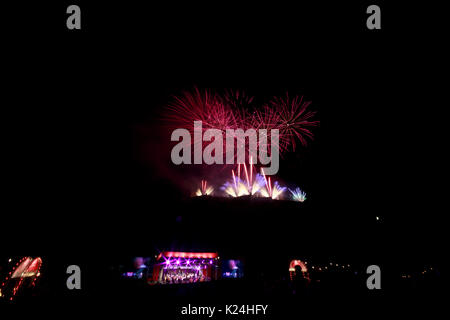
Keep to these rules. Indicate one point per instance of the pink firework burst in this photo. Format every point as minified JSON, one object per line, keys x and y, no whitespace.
{"x":268,"y":118}
{"x":201,"y":106}
{"x":236,"y":110}
{"x":294,"y":120}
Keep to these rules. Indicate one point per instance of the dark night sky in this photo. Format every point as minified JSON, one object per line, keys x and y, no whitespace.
{"x":79,"y":107}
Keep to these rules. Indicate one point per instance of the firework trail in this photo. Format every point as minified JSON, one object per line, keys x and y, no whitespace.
{"x":298,"y":195}
{"x":204,"y":189}
{"x":244,"y":183}
{"x":237,"y":99}
{"x":239,"y":187}
{"x":235,"y":188}
{"x":271,"y":191}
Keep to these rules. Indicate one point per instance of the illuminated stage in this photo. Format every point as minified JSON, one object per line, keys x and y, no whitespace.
{"x":185,"y":267}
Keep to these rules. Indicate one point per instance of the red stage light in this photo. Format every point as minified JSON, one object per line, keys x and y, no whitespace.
{"x":195,"y":255}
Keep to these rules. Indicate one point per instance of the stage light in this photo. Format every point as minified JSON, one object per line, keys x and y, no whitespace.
{"x":168,"y":261}
{"x":178,"y":261}
{"x":210,"y":261}
{"x":188,"y":262}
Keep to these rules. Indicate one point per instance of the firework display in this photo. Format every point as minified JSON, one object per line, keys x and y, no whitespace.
{"x":235,"y":110}
{"x":204,"y":189}
{"x":220,"y":160}
{"x":23,"y":275}
{"x":244,"y":183}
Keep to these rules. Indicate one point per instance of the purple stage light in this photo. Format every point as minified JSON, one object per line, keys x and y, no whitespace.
{"x":178,"y":261}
